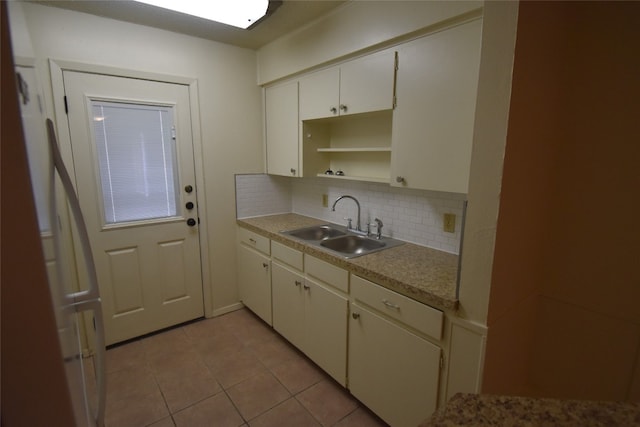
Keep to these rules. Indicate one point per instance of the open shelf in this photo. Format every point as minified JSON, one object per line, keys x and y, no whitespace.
{"x":359,"y":145}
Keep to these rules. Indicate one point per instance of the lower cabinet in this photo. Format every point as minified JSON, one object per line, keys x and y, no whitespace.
{"x":313,"y":317}
{"x":288,"y":304}
{"x":326,"y":329}
{"x":394,"y":372}
{"x":380,"y":345}
{"x":254,"y":276}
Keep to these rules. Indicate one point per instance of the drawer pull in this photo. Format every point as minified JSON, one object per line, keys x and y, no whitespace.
{"x":265,"y":265}
{"x":298,"y":282}
{"x":355,"y":315}
{"x":252,"y":240}
{"x":306,"y":287}
{"x":390,"y":304}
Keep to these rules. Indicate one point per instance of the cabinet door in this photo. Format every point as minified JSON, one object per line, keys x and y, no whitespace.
{"x":366,"y":84}
{"x":326,"y":329}
{"x":436,"y":87}
{"x":281,"y":121}
{"x":320,"y":94}
{"x":392,"y":371}
{"x":288,"y":304}
{"x":254,"y":282}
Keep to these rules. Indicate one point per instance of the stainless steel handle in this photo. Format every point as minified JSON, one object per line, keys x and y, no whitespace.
{"x":355,"y":315}
{"x":390,"y":304}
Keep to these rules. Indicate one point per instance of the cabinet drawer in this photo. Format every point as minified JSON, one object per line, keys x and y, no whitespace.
{"x":328,"y":273}
{"x":419,"y":316}
{"x":254,"y":240}
{"x":287,"y":255}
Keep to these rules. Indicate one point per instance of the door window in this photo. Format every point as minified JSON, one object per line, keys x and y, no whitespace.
{"x":136,"y":152}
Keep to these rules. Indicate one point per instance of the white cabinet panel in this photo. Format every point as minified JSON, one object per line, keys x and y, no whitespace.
{"x":366,"y":84}
{"x":433,"y":121}
{"x":320,"y":94}
{"x":254,"y":281}
{"x":358,"y":86}
{"x":281,"y":122}
{"x":288,"y":304}
{"x":326,"y":329}
{"x":392,"y":371}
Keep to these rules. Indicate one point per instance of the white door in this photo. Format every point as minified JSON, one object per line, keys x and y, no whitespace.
{"x":134,"y":168}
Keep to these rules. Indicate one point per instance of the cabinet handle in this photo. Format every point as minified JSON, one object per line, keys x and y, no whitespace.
{"x":355,"y":315}
{"x":293,"y":171}
{"x":298,"y":282}
{"x":400,"y":179}
{"x":265,"y":265}
{"x":252,"y":240}
{"x":306,"y":287}
{"x":334,"y":110}
{"x":390,"y":304}
{"x":343,"y":108}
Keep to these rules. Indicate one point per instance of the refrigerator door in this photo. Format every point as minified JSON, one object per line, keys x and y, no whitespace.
{"x":85,"y":376}
{"x":85,"y":300}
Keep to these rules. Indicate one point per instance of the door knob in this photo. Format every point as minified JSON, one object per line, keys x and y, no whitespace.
{"x":191,"y":222}
{"x":189,"y":205}
{"x":188,"y":189}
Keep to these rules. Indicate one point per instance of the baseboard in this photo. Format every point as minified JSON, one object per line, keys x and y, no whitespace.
{"x":228,"y":309}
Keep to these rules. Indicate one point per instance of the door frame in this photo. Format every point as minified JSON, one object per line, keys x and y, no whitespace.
{"x":56,"y":69}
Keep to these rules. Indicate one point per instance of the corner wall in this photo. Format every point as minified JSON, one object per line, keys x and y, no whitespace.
{"x":563,"y":318}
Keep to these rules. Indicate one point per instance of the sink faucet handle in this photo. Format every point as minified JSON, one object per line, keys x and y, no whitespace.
{"x":349,"y":226}
{"x":379,"y":226}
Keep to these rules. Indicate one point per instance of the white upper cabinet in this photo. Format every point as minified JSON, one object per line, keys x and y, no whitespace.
{"x":281,"y":122}
{"x":358,"y":86}
{"x":433,"y":121}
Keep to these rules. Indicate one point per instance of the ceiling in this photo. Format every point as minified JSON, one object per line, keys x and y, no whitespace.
{"x":292,"y":14}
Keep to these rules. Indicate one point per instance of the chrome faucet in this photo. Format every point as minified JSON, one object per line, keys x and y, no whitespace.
{"x":333,"y":208}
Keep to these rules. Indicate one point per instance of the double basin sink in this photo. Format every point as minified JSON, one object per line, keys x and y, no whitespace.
{"x":341,"y":241}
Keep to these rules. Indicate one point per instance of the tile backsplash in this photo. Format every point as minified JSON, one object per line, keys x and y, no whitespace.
{"x":415,"y":216}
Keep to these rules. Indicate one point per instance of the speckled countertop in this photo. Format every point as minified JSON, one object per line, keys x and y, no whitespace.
{"x":480,"y":410}
{"x":424,"y":274}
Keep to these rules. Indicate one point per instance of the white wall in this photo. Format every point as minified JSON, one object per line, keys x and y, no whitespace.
{"x":414,"y":216}
{"x":354,"y":27}
{"x":230,"y":105}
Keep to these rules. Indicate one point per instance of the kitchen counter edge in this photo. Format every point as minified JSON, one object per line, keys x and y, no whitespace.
{"x":424,"y":274}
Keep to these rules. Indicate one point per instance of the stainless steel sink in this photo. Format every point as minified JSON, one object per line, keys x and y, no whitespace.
{"x":341,"y":241}
{"x":351,"y":244}
{"x":317,"y":232}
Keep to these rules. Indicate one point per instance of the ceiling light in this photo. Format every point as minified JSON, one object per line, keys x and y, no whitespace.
{"x":238,"y":13}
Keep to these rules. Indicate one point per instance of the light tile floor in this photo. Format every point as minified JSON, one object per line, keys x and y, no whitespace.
{"x":232,"y":370}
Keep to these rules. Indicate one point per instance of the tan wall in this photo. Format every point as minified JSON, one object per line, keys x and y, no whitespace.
{"x":563,"y":315}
